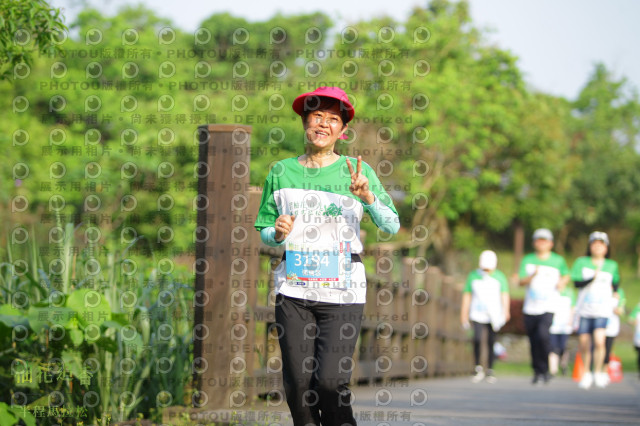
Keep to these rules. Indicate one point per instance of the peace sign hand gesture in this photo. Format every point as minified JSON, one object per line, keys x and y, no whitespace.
{"x":359,"y":182}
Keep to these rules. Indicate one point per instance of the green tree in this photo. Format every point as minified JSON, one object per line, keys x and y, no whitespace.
{"x":485,"y":152}
{"x":605,"y":135}
{"x":27,"y":27}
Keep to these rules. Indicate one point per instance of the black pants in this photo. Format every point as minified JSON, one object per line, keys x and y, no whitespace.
{"x":317,"y":341}
{"x":537,"y":327}
{"x":477,"y":341}
{"x":608,"y":344}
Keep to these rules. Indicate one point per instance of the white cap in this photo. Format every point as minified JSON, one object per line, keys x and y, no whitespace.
{"x":542,"y":234}
{"x":599,"y":236}
{"x":488,"y":260}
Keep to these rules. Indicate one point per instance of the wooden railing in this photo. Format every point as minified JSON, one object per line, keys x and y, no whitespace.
{"x":410,"y":326}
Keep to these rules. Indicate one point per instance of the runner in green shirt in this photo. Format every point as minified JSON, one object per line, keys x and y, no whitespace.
{"x":598,"y":278}
{"x":485,"y":304}
{"x":544,"y":273}
{"x":313,"y":205}
{"x":561,"y":328}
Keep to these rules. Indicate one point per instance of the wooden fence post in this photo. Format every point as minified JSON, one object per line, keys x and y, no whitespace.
{"x":432,"y":285}
{"x":245,"y":349}
{"x":221,"y":239}
{"x":415,"y":271}
{"x":383,"y":310}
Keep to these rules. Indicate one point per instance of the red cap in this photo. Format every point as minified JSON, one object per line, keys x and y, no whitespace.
{"x":309,"y":100}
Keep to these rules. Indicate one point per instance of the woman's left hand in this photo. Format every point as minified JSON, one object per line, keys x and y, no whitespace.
{"x":359,"y":182}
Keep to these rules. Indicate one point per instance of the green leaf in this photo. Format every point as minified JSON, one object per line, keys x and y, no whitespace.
{"x":27,"y":417}
{"x":11,"y":316}
{"x":113,"y":324}
{"x":131,"y":339}
{"x":39,"y":317}
{"x":13,"y":320}
{"x":91,"y":306}
{"x":72,"y":362}
{"x":6,"y":415}
{"x":9,"y":310}
{"x":44,"y":316}
{"x":76,"y":336}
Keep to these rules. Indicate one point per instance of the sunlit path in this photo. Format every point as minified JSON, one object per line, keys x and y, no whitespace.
{"x":510,"y":401}
{"x":456,"y":401}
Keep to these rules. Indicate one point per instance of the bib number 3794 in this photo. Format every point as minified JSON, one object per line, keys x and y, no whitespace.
{"x":319,"y":267}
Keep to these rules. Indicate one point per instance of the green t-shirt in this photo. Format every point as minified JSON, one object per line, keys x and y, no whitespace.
{"x":291,"y":188}
{"x":594,"y":300}
{"x":542,"y":288}
{"x":327,"y":215}
{"x":486,"y":301}
{"x":478,"y":275}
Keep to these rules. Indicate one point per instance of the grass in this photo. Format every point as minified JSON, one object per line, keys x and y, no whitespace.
{"x":135,"y":307}
{"x":512,"y":368}
{"x":621,"y":348}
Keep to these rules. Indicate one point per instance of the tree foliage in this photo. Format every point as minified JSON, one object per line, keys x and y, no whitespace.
{"x":101,"y":131}
{"x":26,"y":28}
{"x":465,"y":148}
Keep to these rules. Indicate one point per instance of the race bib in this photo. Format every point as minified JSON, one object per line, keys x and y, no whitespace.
{"x":315,"y":266}
{"x":479,"y":306}
{"x":600,"y":290}
{"x":537,"y":295}
{"x":543,"y":284}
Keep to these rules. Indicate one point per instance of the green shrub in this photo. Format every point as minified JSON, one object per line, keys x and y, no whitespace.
{"x":92,"y":335}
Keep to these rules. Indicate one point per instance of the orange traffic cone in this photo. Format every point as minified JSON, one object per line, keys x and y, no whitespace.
{"x":578,"y":368}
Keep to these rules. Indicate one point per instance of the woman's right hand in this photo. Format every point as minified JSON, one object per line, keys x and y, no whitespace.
{"x":464,"y":320}
{"x":284,"y":224}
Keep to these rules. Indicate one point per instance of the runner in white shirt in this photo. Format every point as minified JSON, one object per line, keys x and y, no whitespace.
{"x":485,"y":306}
{"x":313,"y":205}
{"x":561,"y":328}
{"x":544,"y":273}
{"x":598,"y":279}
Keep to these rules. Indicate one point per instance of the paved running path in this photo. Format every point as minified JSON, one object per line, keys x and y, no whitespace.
{"x":511,"y":401}
{"x":456,"y":401}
